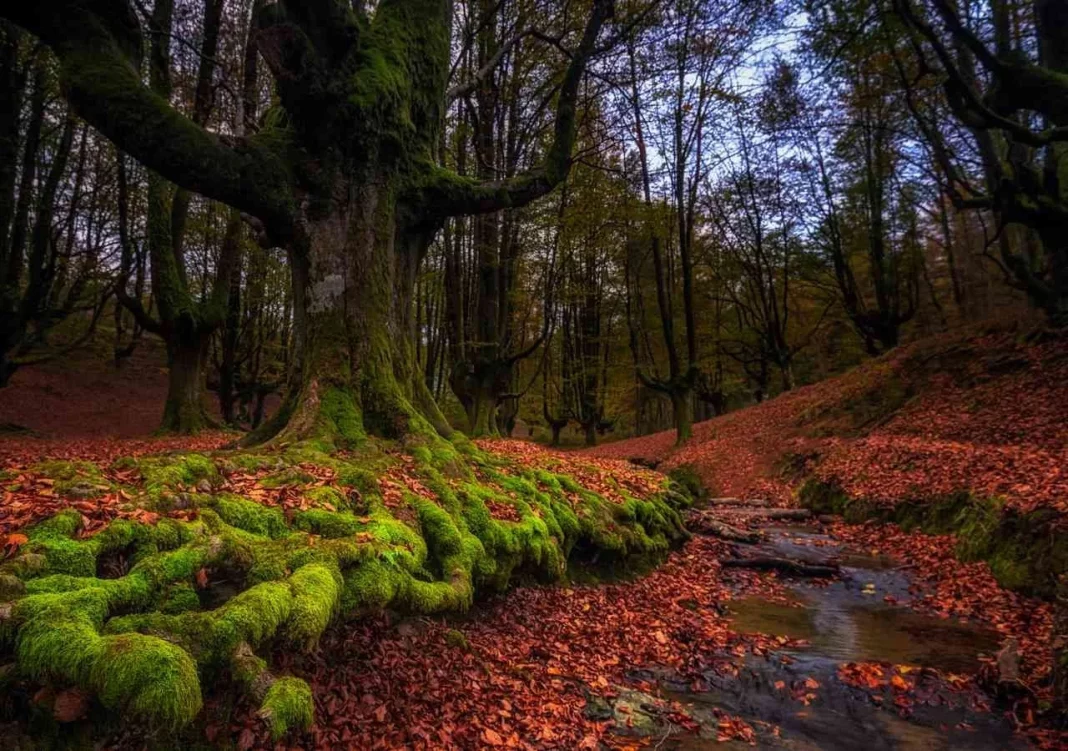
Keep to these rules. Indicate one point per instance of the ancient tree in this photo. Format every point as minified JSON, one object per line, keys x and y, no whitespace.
{"x":345,"y":177}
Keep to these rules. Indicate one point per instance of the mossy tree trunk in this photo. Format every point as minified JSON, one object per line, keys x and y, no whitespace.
{"x":682,"y":409}
{"x":589,"y":430}
{"x":183,"y":411}
{"x":352,"y":284}
{"x":345,"y":178}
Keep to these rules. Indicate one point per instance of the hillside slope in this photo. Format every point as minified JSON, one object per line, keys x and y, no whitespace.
{"x":84,"y":395}
{"x":983,"y":413}
{"x":963,"y":434}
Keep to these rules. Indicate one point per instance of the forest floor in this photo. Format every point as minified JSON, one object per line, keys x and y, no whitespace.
{"x":964,"y":434}
{"x":978,"y":412}
{"x":894,"y":643}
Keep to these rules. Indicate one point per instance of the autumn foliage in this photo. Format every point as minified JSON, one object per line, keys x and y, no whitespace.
{"x":986,"y":414}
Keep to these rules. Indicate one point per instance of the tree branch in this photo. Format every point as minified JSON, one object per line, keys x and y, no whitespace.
{"x":443,"y":193}
{"x":98,"y":44}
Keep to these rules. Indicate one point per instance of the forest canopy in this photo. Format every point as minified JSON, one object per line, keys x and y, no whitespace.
{"x":579,"y":218}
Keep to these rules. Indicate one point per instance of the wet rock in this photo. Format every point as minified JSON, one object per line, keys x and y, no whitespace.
{"x":632,"y":713}
{"x":83,"y":491}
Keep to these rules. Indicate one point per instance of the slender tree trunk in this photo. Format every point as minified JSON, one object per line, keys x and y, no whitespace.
{"x":590,"y":431}
{"x":183,"y":411}
{"x":231,"y":327}
{"x":787,"y":376}
{"x":682,"y":409}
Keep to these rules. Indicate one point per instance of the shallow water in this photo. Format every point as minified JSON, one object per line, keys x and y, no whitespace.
{"x":869,"y":633}
{"x":847,"y":620}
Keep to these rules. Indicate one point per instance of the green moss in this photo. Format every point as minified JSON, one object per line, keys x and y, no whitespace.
{"x":329,"y":498}
{"x":73,"y":477}
{"x":291,"y":476}
{"x":371,"y":586}
{"x":291,"y":577}
{"x":288,"y":705}
{"x":316,"y":595}
{"x":327,"y":523}
{"x":169,"y":473}
{"x":251,"y":516}
{"x":1023,"y":551}
{"x":687,"y":487}
{"x":457,"y":640}
{"x":362,"y":479}
{"x":179,"y":598}
{"x":147,"y":678}
{"x":253,"y":462}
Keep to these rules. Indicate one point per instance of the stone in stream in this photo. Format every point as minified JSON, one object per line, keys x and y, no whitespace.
{"x":632,"y":713}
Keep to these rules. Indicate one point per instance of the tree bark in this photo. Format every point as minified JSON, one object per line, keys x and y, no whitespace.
{"x":590,"y":431}
{"x":354,"y":362}
{"x":682,"y":408}
{"x":556,"y":428}
{"x":183,"y":411}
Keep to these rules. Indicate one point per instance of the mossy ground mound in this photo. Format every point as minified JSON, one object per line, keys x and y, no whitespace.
{"x":222,"y":557}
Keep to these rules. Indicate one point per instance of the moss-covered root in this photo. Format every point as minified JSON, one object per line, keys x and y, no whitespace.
{"x":288,"y":705}
{"x":285,"y":703}
{"x":144,"y":642}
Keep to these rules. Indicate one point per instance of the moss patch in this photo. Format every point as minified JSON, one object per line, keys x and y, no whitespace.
{"x":200,"y":597}
{"x":1025,"y":551}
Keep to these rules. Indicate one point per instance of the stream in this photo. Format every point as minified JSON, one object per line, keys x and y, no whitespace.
{"x":858,"y":617}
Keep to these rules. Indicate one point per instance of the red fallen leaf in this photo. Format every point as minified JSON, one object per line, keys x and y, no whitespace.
{"x":14,"y":542}
{"x":70,"y":705}
{"x":202,"y":578}
{"x":492,"y":737}
{"x":246,"y":740}
{"x":899,"y":683}
{"x":380,"y":713}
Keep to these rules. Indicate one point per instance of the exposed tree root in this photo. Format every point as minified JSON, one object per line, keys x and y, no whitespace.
{"x":420,"y":531}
